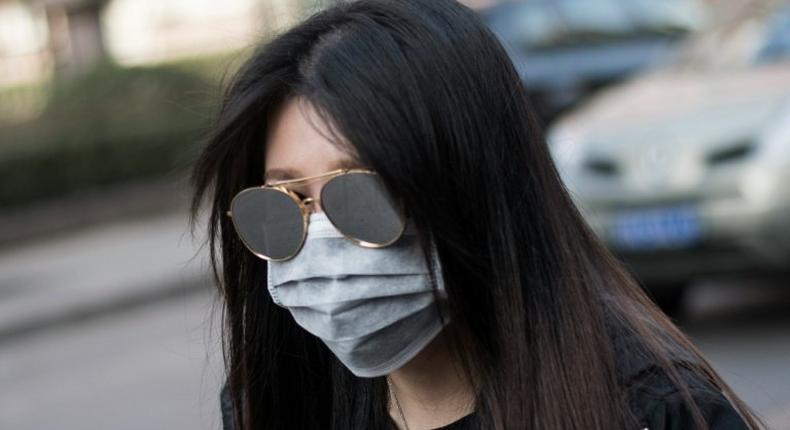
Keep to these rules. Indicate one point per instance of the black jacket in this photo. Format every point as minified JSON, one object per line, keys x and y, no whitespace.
{"x":652,"y":396}
{"x":659,"y":403}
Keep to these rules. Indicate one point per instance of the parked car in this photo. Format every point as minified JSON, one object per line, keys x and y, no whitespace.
{"x":565,"y":49}
{"x":685,"y":171}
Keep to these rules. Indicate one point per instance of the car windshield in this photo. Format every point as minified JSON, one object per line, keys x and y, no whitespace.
{"x":535,"y":24}
{"x":666,"y":15}
{"x":775,"y":44}
{"x":760,"y":36}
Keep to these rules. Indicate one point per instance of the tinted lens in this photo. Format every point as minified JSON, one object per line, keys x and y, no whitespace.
{"x":359,"y":206}
{"x":268,"y":221}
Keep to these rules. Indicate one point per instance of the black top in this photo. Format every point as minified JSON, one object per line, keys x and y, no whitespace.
{"x":459,"y":424}
{"x":653,"y":398}
{"x":659,"y":404}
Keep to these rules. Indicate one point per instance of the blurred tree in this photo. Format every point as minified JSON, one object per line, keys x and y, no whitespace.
{"x":106,"y":126}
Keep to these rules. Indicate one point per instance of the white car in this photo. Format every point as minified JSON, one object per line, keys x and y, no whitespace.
{"x":685,"y":171}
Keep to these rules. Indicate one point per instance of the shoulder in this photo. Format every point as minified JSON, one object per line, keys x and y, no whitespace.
{"x":661,"y":405}
{"x":656,"y":401}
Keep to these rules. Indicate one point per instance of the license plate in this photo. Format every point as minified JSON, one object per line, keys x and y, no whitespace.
{"x":657,"y":228}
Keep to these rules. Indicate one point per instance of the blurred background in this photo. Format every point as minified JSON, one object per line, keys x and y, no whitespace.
{"x":669,"y":121}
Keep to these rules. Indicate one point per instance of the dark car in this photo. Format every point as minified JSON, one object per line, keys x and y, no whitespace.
{"x":565,"y":49}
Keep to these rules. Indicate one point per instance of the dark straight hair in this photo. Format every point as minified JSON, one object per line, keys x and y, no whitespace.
{"x":423,"y":92}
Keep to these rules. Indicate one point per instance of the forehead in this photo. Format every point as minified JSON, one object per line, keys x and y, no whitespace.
{"x":298,"y":143}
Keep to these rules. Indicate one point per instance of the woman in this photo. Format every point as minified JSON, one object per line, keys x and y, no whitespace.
{"x":424,"y":266}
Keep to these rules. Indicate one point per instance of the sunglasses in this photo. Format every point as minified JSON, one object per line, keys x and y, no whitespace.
{"x":272,"y":220}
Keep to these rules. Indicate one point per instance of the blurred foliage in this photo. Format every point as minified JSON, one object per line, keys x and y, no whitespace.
{"x":107,"y":126}
{"x":21,"y":101}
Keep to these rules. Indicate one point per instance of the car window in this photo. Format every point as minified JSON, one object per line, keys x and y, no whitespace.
{"x":526,"y":24}
{"x":776,"y":38}
{"x":604,"y":16}
{"x":667,"y":15}
{"x":536,"y":24}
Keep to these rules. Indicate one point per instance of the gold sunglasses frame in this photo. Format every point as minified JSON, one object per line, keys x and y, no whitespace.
{"x":302,"y":203}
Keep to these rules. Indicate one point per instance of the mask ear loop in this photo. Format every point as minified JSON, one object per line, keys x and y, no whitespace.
{"x":437,"y":278}
{"x":437,"y":268}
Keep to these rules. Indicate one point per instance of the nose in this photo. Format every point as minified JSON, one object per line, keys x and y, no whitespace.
{"x":312,"y":197}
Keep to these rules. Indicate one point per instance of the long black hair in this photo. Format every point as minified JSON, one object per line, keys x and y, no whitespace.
{"x":424,"y":93}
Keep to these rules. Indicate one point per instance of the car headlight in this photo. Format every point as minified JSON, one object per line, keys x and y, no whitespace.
{"x":566,"y":148}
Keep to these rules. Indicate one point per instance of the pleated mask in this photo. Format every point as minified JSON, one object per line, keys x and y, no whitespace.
{"x":374,"y":308}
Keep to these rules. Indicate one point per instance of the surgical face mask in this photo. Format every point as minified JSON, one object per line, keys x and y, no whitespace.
{"x":373,"y":307}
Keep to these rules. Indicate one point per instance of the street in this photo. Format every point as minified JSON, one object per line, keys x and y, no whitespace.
{"x":149,"y":367}
{"x":158,"y":366}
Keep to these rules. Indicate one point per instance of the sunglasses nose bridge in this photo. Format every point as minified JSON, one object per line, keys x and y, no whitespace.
{"x":313,"y":205}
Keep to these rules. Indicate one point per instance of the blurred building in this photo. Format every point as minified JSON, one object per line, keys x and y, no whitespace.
{"x":23,"y":45}
{"x":42,"y":37}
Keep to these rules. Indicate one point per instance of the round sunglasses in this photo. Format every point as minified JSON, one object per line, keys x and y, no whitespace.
{"x":272,"y":219}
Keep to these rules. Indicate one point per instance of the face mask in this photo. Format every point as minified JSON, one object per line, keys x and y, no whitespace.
{"x":373,"y":307}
